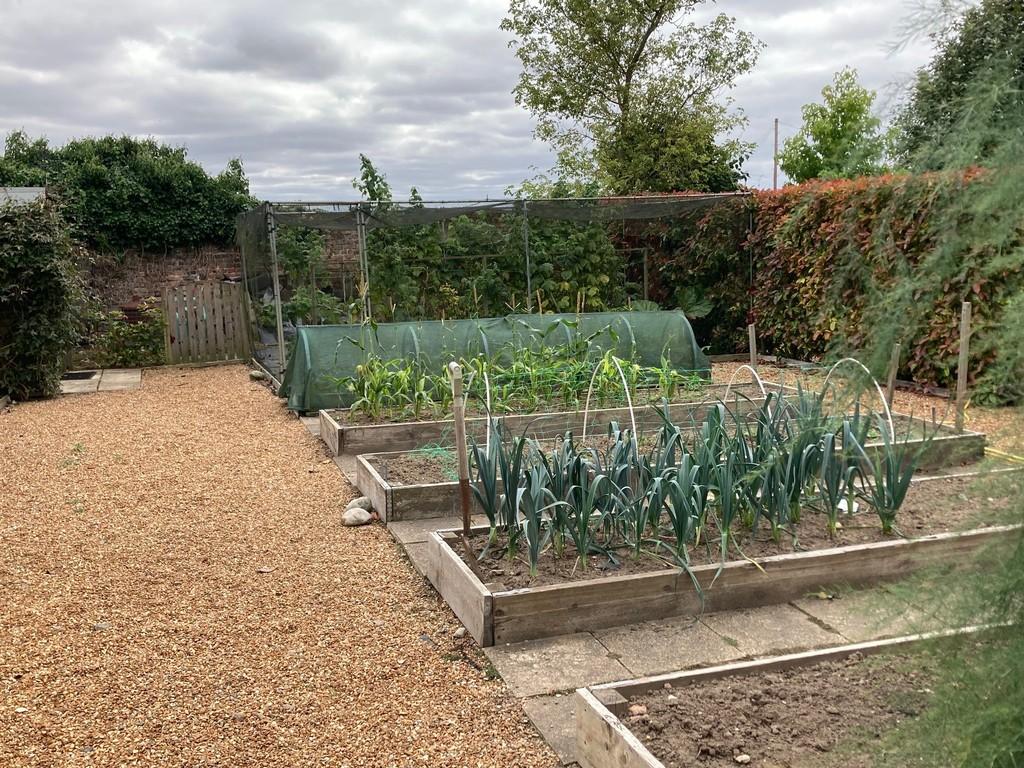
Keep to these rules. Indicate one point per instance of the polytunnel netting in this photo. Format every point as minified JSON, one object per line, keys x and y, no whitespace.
{"x":324,"y":353}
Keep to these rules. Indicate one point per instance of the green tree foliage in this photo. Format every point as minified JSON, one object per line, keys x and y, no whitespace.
{"x":475,"y":265}
{"x":981,"y":45}
{"x":123,"y":192}
{"x":840,"y":138}
{"x":615,"y":83}
{"x":40,"y":293}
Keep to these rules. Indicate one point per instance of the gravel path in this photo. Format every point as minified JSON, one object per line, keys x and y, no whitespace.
{"x":176,"y":590}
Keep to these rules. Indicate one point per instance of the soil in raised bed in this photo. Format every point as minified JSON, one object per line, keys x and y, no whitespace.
{"x":416,"y":467}
{"x":829,"y":714}
{"x":934,"y":506}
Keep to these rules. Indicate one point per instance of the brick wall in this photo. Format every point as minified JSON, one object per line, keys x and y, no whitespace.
{"x":123,"y":280}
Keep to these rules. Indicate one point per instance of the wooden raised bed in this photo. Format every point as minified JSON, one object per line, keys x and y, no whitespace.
{"x":604,"y":741}
{"x":406,"y":502}
{"x":356,"y":439}
{"x":494,"y":616}
{"x":433,"y":500}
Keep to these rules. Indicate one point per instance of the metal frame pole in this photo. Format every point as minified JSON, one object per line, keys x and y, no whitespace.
{"x":364,"y":262}
{"x":526,"y":250}
{"x":282,"y":356}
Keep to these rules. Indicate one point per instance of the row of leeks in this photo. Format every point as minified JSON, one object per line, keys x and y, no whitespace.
{"x":763,"y":468}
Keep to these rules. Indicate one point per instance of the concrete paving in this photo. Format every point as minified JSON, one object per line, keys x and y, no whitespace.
{"x":770,"y":630}
{"x":868,"y":615}
{"x":115,"y":379}
{"x":107,"y":380}
{"x":661,"y":646}
{"x":555,"y":664}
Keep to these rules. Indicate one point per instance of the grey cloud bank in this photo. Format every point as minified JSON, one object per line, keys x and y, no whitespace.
{"x":298,"y":90}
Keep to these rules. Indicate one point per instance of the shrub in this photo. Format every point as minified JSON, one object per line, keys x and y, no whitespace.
{"x":122,"y":344}
{"x":40,"y":292}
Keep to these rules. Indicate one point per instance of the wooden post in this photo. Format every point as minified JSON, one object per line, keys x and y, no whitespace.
{"x":459,"y":412}
{"x":962,"y":367}
{"x":752,"y":335}
{"x":775,"y":157}
{"x":890,"y":382}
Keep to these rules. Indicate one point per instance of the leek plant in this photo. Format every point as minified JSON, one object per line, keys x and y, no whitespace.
{"x":887,"y":481}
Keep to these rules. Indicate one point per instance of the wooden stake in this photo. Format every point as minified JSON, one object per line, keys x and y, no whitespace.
{"x":962,"y":367}
{"x":775,"y":157}
{"x":894,"y":364}
{"x":459,"y":412}
{"x":752,"y":335}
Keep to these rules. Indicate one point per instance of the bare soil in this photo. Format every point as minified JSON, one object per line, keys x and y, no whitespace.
{"x":416,"y":467}
{"x":827,"y":714}
{"x":934,"y":506}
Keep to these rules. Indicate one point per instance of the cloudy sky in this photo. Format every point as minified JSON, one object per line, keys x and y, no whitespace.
{"x":298,"y":89}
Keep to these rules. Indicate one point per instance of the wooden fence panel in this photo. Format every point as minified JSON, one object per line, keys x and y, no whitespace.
{"x":206,"y":322}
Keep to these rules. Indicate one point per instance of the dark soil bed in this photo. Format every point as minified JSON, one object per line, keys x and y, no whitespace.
{"x":417,"y":467}
{"x":934,"y":506}
{"x":829,"y":714}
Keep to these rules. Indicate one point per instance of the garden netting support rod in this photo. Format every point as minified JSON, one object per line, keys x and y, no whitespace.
{"x":526,"y":251}
{"x":364,"y":262}
{"x":272,"y":243}
{"x":459,"y":413}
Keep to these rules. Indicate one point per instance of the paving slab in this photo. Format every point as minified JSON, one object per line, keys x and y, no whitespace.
{"x":771,"y":629}
{"x":312,"y":423}
{"x":347,"y":465}
{"x":555,"y":717}
{"x":555,"y":664}
{"x":415,"y":531}
{"x":868,"y":615}
{"x":79,"y":386}
{"x":666,"y":646}
{"x":417,"y":554}
{"x":116,"y":379}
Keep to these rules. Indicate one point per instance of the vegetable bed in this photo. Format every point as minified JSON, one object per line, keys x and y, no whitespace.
{"x":352,"y":434}
{"x":818,"y":708}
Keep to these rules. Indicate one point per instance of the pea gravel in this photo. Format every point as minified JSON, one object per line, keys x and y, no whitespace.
{"x":177,"y":589}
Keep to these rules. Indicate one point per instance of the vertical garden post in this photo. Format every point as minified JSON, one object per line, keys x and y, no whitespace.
{"x":962,"y":367}
{"x":526,"y":251}
{"x":459,"y":412}
{"x":752,"y":336}
{"x":272,"y":240}
{"x":890,"y":381}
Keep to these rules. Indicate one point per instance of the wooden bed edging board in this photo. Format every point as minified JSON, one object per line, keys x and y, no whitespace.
{"x":406,"y":502}
{"x":604,"y":741}
{"x":355,"y":439}
{"x":432,"y":500}
{"x":557,"y":609}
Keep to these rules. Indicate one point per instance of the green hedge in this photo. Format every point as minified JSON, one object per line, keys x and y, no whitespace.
{"x":841,"y":267}
{"x":40,"y":292}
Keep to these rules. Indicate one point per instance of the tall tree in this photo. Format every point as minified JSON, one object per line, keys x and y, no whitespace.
{"x":840,"y":138}
{"x":981,"y":45}
{"x":616,"y":83}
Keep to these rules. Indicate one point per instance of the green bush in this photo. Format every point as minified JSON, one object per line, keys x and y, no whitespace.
{"x":121,"y":344}
{"x":40,"y":293}
{"x":124,"y":192}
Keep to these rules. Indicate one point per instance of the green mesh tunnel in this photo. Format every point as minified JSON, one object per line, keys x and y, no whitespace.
{"x":325,"y":352}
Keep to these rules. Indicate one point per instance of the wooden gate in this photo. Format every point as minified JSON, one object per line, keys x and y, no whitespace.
{"x":207,"y":322}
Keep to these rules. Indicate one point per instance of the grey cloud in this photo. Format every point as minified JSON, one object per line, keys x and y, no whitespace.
{"x":298,"y":90}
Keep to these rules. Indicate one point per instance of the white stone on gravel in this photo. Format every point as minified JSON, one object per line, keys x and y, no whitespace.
{"x":356,"y":516}
{"x":360,"y":502}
